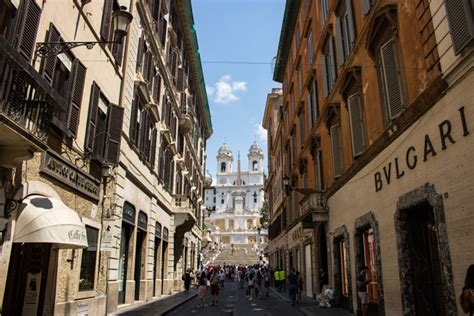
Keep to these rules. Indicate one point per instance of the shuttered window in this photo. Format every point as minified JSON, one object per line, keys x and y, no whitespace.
{"x":302,"y":129}
{"x":366,"y":5}
{"x":337,"y":155}
{"x":313,"y":103}
{"x":143,"y":131}
{"x":104,"y":128}
{"x":318,"y":170}
{"x":106,"y":19}
{"x":29,"y":18}
{"x":300,"y":80}
{"x":310,"y":47}
{"x":49,"y":63}
{"x":460,"y":17}
{"x":78,"y":77}
{"x":356,"y":124}
{"x":324,"y":10}
{"x":389,"y":77}
{"x":345,"y":33}
{"x":328,"y":67}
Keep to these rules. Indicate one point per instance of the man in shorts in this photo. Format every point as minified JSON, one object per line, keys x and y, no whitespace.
{"x":362,"y":281}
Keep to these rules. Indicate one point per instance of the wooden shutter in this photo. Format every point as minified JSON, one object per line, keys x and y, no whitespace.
{"x":357,"y":125}
{"x":391,"y":78}
{"x":339,"y":44}
{"x":336,"y":150}
{"x":141,"y":49}
{"x":114,"y":131}
{"x":366,"y":5}
{"x":152,"y":159}
{"x":332,"y":63}
{"x":28,"y":28}
{"x":180,"y":80}
{"x":156,"y":86}
{"x":106,"y":18}
{"x":460,"y":23}
{"x":78,"y":76}
{"x":351,"y":26}
{"x":49,"y":63}
{"x":146,"y":66}
{"x":92,"y":123}
{"x":133,"y":119}
{"x":324,"y":75}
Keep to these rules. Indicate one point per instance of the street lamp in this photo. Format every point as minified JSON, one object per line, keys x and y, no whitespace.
{"x":287,"y":187}
{"x":120,"y":22}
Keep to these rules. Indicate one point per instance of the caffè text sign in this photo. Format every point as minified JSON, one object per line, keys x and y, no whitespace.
{"x":62,"y":170}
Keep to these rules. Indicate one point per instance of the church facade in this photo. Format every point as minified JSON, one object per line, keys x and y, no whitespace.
{"x":236,"y":198}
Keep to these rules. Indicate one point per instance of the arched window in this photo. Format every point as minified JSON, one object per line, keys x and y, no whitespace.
{"x":255,"y":165}
{"x":223,"y":166}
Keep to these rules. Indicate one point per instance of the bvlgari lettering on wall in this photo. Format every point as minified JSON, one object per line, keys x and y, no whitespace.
{"x":396,"y":169}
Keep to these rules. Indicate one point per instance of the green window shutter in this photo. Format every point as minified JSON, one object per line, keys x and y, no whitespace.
{"x":92,"y":122}
{"x":351,"y":26}
{"x":106,"y":19}
{"x":49,"y":63}
{"x":78,"y":76}
{"x":460,"y":21}
{"x":339,"y":46}
{"x":28,"y":28}
{"x":114,"y":131}
{"x":356,"y":123}
{"x":336,"y":150}
{"x":391,"y":77}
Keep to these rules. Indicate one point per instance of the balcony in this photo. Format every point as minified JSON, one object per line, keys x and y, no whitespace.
{"x":314,"y":208}
{"x":27,"y":104}
{"x":186,"y":118}
{"x":184,"y":213}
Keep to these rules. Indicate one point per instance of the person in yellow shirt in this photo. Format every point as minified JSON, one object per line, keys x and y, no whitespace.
{"x":276,"y":276}
{"x":282,"y":280}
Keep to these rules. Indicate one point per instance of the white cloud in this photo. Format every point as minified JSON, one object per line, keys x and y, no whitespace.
{"x":261,"y":132}
{"x":224,"y":89}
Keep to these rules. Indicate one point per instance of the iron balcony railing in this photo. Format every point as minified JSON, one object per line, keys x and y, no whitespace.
{"x":26,"y":98}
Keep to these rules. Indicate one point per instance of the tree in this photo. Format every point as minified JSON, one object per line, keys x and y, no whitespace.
{"x":264,"y":216}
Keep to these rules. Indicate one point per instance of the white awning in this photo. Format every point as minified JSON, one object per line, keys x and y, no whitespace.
{"x":49,"y":220}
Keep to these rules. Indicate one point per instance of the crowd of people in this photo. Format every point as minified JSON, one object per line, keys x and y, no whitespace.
{"x":254,"y":279}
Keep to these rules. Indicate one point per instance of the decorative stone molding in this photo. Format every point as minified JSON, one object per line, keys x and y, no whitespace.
{"x":406,"y":203}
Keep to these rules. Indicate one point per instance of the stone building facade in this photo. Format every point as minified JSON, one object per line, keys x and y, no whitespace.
{"x":101,"y":155}
{"x":382,"y":164}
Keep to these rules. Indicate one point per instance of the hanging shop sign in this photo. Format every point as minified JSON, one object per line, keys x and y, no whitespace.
{"x":432,"y":145}
{"x":57,"y":167}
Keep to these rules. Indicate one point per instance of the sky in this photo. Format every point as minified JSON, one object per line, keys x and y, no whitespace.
{"x":237,"y":31}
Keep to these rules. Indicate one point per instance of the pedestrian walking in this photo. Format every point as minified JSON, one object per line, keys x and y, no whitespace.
{"x":266,"y":281}
{"x":214,"y":280}
{"x":292,"y":286}
{"x":362,"y":281}
{"x":467,"y":295}
{"x":250,"y":285}
{"x":282,"y":280}
{"x":277,"y":279}
{"x":300,"y":287}
{"x":202,"y":291}
{"x":221,"y":278}
{"x":187,"y":280}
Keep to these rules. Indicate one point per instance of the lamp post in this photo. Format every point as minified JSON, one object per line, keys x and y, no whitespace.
{"x":120,"y":22}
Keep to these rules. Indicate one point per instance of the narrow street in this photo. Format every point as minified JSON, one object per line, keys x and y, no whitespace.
{"x":233,"y":301}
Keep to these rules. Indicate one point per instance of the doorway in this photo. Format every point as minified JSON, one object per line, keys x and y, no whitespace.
{"x":123,"y":261}
{"x":164,"y":260}
{"x":156,"y":257}
{"x":323,"y":258}
{"x":138,"y":262}
{"x":425,"y":262}
{"x":27,"y":282}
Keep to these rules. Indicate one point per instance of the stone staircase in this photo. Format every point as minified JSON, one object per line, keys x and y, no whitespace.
{"x":238,"y":257}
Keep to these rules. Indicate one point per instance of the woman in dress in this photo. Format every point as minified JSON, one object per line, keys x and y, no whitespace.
{"x":202,"y":291}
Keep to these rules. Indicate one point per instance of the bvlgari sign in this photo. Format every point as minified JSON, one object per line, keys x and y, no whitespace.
{"x":62,"y":170}
{"x":432,"y":145}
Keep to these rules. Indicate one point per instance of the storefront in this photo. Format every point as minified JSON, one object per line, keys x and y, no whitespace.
{"x":52,"y":240}
{"x":413,"y":211}
{"x":300,"y":255}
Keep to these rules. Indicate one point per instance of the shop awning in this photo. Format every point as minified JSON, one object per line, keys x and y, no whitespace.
{"x":49,"y":220}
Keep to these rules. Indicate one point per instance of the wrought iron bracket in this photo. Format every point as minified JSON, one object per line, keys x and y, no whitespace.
{"x":45,"y":50}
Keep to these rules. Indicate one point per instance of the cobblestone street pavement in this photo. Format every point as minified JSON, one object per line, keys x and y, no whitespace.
{"x":233,"y":301}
